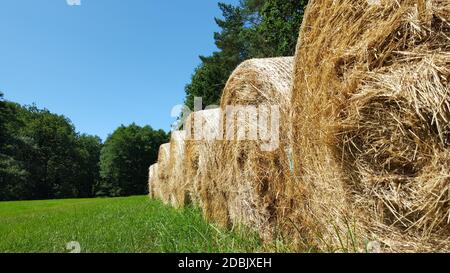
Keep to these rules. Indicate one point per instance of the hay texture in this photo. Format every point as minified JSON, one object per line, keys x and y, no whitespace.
{"x":163,"y":173}
{"x":153,"y":186}
{"x":203,"y":153}
{"x":253,"y":158}
{"x":202,"y":129}
{"x":177,"y":185}
{"x":211,"y":194}
{"x":371,"y":112}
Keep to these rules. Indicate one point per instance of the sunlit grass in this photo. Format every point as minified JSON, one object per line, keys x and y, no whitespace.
{"x":133,"y":224}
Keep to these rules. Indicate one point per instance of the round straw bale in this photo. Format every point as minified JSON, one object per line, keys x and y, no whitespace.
{"x":191,"y":157}
{"x":371,"y":116}
{"x":254,"y":158}
{"x":212,"y":197}
{"x":153,"y":186}
{"x":164,"y":173}
{"x":201,"y":127}
{"x":178,"y":190}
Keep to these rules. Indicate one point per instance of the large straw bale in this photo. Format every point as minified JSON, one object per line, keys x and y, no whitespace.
{"x":251,"y":175}
{"x":202,"y":128}
{"x":191,"y":155}
{"x":213,"y":196}
{"x":153,"y":183}
{"x":203,"y":137}
{"x":371,"y":113}
{"x":164,"y":173}
{"x":178,"y":188}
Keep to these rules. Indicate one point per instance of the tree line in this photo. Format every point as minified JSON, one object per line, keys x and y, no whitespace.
{"x":43,"y":157}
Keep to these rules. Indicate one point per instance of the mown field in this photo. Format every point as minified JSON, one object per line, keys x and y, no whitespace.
{"x":124,"y":225}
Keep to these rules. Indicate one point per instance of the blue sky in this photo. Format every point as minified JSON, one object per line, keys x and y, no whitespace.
{"x":106,"y":62}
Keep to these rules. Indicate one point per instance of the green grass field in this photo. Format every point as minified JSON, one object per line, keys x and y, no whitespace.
{"x":133,"y":224}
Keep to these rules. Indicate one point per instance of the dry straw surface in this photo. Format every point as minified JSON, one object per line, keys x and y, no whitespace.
{"x":163,"y":173}
{"x":371,"y":115}
{"x":153,"y":186}
{"x":205,"y":141}
{"x":178,"y":188}
{"x":250,"y":176}
{"x":202,"y":130}
{"x":192,"y":155}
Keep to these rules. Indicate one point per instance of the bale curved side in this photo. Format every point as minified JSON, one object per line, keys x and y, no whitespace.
{"x":153,"y":182}
{"x":202,"y":128}
{"x":254,"y":157}
{"x":371,"y":118}
{"x":191,"y":157}
{"x":178,"y":188}
{"x":164,"y":173}
{"x":212,"y":198}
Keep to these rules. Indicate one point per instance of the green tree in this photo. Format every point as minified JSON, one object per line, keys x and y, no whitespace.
{"x":42,"y":157}
{"x":211,"y":75}
{"x":88,"y":153}
{"x":2,"y":120}
{"x":53,"y":162}
{"x":274,"y":27}
{"x":125,"y":158}
{"x":253,"y":29}
{"x":14,"y":177}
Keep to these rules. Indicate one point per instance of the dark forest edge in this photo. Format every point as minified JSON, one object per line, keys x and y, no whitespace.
{"x":43,"y":157}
